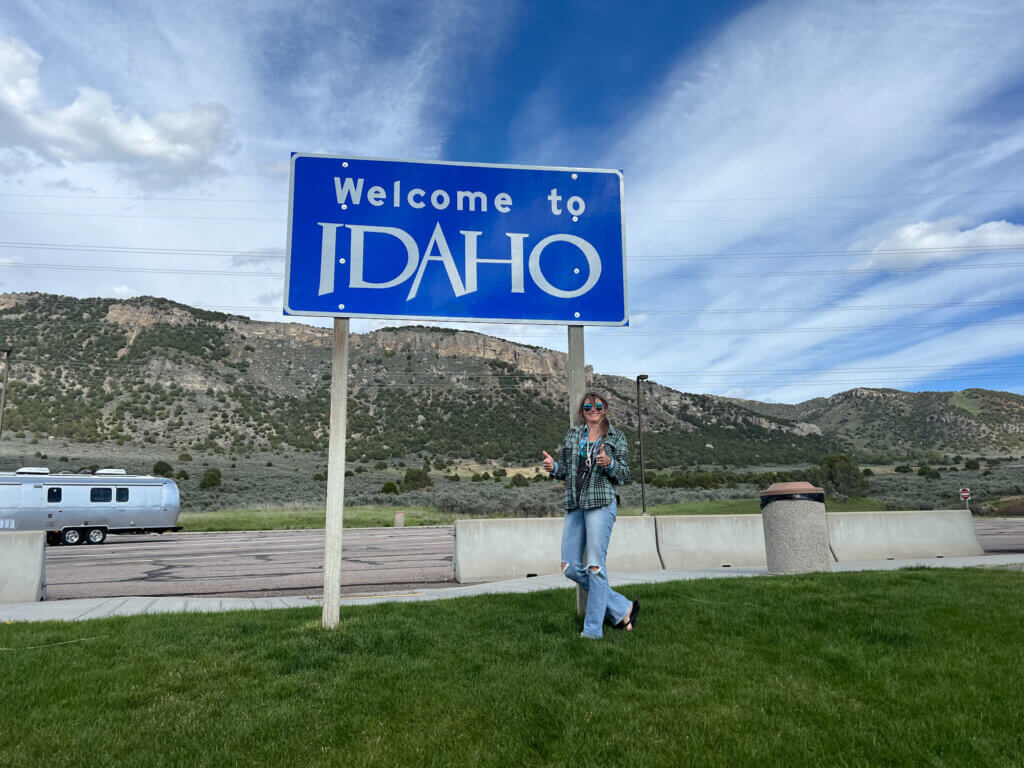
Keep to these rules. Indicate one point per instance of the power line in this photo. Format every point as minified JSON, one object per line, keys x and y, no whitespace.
{"x":729,"y":374}
{"x":749,"y":310}
{"x":690,"y":374}
{"x":624,"y":333}
{"x":698,"y":276}
{"x":281,"y":201}
{"x":277,"y":220}
{"x":268,"y":253}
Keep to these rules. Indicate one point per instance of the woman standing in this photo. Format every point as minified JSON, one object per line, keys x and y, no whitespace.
{"x":594,"y":460}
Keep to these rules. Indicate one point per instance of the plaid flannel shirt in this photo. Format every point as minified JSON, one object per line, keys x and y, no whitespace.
{"x":600,"y":491}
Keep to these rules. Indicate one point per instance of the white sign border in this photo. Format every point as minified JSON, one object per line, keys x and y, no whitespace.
{"x":288,"y":311}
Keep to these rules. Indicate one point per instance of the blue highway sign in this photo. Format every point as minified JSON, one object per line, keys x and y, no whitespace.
{"x":455,"y":241}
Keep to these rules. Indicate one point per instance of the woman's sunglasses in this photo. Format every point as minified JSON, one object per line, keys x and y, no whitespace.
{"x":589,"y":406}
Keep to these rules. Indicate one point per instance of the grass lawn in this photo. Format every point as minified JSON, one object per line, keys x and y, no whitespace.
{"x":287,"y":518}
{"x":744,"y":506}
{"x":290,"y":518}
{"x":918,"y":667}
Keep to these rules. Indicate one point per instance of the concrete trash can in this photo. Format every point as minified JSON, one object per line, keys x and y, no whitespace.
{"x":399,"y":519}
{"x":795,"y":528}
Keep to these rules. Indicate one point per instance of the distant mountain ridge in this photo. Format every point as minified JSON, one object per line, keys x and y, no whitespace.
{"x":951,"y":422}
{"x":156,"y":371}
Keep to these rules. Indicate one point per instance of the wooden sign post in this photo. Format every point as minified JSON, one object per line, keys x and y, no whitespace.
{"x":577,"y":387}
{"x":336,"y":474}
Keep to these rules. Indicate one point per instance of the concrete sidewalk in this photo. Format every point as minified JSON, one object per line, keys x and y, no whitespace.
{"x":98,"y":608}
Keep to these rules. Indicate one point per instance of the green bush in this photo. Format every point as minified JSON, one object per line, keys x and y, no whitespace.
{"x":867,"y":472}
{"x":389,"y":487}
{"x":972,"y":464}
{"x":184,"y":457}
{"x":182,"y":475}
{"x":415,"y":479}
{"x":381,"y":465}
{"x":500,"y":472}
{"x":518,"y":481}
{"x":840,"y":475}
{"x":929,"y":472}
{"x":211,"y":479}
{"x":903,"y":469}
{"x":163,"y":469}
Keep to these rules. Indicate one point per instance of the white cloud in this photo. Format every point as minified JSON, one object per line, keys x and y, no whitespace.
{"x":167,"y":149}
{"x":944,"y":241}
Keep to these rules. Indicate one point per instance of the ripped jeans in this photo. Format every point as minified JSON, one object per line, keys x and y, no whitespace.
{"x":584,"y":552}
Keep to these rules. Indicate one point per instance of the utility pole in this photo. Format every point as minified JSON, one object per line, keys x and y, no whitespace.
{"x":3,"y":388}
{"x":577,"y":387}
{"x":640,"y":437}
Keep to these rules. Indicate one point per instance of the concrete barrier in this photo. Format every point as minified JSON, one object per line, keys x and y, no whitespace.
{"x":496,"y":549}
{"x":491,"y":550}
{"x":897,"y":535}
{"x":22,"y":566}
{"x":710,"y":541}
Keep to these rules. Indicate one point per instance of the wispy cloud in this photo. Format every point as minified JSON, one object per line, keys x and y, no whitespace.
{"x":798,"y":130}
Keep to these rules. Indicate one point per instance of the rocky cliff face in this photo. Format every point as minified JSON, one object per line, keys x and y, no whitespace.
{"x":150,"y":369}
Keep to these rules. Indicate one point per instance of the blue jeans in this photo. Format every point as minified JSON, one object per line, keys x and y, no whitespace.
{"x":584,"y":551}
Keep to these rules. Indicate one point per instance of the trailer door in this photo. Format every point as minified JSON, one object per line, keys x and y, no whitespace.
{"x":10,"y":499}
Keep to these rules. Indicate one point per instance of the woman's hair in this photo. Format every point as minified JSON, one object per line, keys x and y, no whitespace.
{"x":604,"y":413}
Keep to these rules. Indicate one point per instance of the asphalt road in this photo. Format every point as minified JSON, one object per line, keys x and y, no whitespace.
{"x":269,"y":563}
{"x":251,"y":563}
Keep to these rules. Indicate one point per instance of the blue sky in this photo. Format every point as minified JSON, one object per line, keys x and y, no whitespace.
{"x":819,"y":196}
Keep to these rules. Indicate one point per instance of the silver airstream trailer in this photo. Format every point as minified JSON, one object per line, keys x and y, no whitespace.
{"x":73,"y":509}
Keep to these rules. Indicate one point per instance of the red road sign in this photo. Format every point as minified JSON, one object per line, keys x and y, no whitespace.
{"x":965,"y":493}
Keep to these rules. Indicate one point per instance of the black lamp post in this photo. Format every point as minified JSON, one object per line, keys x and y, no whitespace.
{"x":6,"y":351}
{"x":640,"y":436}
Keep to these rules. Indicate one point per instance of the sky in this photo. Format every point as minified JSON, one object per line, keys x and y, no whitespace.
{"x":818,"y":196}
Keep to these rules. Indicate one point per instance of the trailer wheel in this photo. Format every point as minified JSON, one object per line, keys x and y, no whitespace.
{"x":96,"y":535}
{"x":71,"y":536}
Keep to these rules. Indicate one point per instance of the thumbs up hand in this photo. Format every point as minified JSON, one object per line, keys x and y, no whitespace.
{"x":603,"y":459}
{"x":548,"y":463}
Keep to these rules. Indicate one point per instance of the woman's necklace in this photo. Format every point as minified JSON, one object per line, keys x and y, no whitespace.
{"x":590,"y":448}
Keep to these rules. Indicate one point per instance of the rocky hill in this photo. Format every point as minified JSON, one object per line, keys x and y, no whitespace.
{"x":972,"y":420}
{"x":150,"y":371}
{"x":155,"y":372}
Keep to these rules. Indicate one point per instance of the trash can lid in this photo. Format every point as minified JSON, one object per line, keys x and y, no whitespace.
{"x":799,"y":490}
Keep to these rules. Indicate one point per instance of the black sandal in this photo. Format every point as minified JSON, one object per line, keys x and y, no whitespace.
{"x":633,"y":612}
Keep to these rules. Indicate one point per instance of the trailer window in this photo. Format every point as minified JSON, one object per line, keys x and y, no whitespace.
{"x":122,"y":494}
{"x":100,"y":494}
{"x":53,"y":495}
